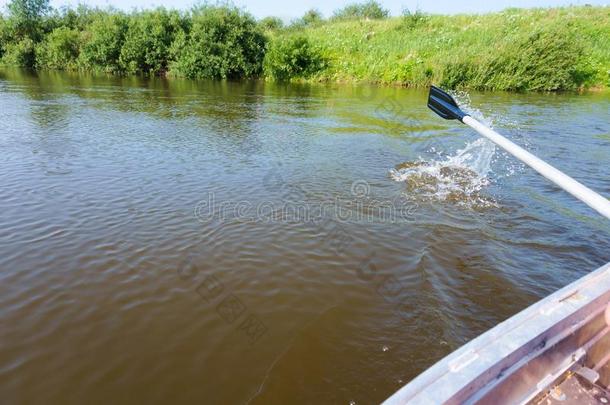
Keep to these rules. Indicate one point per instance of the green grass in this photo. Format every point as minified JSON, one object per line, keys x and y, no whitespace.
{"x":517,"y":49}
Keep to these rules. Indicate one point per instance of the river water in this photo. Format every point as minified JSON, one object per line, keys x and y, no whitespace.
{"x":173,"y":241}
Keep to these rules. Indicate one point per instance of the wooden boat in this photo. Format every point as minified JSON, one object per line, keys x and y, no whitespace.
{"x":557,"y":351}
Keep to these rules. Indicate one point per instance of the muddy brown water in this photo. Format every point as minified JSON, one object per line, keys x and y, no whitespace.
{"x":225,"y":243}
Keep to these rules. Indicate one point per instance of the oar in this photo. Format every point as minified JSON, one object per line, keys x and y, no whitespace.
{"x":444,"y":105}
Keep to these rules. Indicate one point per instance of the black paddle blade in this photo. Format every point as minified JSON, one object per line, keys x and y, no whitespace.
{"x":444,"y":105}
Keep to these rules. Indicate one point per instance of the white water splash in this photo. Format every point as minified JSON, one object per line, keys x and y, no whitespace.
{"x":459,"y":177}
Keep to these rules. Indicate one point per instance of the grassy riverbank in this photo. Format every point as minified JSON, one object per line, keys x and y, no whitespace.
{"x":524,"y":50}
{"x":536,"y":49}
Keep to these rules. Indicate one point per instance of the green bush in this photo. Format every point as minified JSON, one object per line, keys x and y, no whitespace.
{"x":271,"y":23}
{"x":59,"y":50}
{"x":224,"y":42}
{"x":75,"y":18}
{"x":411,"y":20}
{"x":291,"y":58}
{"x":312,"y":17}
{"x":370,"y":9}
{"x":4,"y":35}
{"x":148,"y":39}
{"x":103,"y":40}
{"x":20,"y":54}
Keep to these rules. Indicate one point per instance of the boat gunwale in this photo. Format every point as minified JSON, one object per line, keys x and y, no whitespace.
{"x":452,"y":376}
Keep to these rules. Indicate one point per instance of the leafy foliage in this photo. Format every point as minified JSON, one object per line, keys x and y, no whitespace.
{"x":4,"y":35}
{"x":78,"y":18}
{"x":223,"y":42}
{"x":271,"y":23}
{"x":59,"y":50}
{"x":26,"y":16}
{"x":103,"y":40}
{"x":20,"y":53}
{"x":312,"y":17}
{"x":148,"y":39}
{"x":370,"y":10}
{"x":294,"y":57}
{"x":28,"y":10}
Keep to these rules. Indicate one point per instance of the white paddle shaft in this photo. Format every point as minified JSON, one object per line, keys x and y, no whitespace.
{"x":583,"y":193}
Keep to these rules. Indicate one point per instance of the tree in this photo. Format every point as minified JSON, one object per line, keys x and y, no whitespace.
{"x":312,"y":17}
{"x":27,"y":16}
